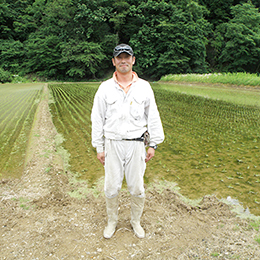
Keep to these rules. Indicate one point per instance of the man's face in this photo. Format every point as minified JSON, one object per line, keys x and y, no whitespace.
{"x":123,"y":62}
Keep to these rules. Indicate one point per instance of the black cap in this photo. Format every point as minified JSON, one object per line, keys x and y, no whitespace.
{"x":123,"y":48}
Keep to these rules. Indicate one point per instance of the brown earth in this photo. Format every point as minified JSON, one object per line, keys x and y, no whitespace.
{"x":40,"y":220}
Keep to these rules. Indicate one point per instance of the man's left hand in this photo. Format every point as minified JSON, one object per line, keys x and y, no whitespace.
{"x":150,"y":154}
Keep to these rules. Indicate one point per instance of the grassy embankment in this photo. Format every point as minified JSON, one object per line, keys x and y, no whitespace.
{"x":238,"y":88}
{"x":238,"y":79}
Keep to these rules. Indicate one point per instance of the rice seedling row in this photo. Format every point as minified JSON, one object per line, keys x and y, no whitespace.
{"x":74,"y":111}
{"x":77,"y":97}
{"x":56,"y":113}
{"x":8,"y":103}
{"x":73,"y":103}
{"x":19,"y":147}
{"x":73,"y":107}
{"x":12,"y":109}
{"x":16,"y":122}
{"x":11,"y":98}
{"x":72,"y":121}
{"x":13,"y":124}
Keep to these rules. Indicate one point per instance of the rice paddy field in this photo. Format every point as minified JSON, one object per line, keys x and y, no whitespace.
{"x":211,"y":146}
{"x":70,"y":106}
{"x":18,"y":104}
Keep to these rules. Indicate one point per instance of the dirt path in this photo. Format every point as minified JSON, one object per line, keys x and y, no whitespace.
{"x":39,"y":220}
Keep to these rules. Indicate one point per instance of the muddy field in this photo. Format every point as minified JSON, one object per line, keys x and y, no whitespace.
{"x":40,"y":220}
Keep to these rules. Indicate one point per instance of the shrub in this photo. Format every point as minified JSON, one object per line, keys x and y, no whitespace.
{"x":5,"y":76}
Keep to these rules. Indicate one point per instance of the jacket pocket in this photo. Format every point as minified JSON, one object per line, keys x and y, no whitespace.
{"x":137,"y":108}
{"x":112,"y":105}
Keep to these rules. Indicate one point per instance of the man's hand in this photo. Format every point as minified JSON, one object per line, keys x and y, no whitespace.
{"x":150,"y":154}
{"x":101,"y":157}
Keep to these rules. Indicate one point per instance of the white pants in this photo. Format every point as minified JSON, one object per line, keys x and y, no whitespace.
{"x":124,"y":157}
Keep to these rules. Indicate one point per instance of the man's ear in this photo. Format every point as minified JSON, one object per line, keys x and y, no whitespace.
{"x":133,"y":60}
{"x":113,"y":61}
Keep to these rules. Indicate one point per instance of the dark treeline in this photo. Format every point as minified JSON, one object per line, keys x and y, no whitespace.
{"x":74,"y":39}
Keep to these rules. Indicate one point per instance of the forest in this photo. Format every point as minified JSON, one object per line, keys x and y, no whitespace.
{"x":73,"y":40}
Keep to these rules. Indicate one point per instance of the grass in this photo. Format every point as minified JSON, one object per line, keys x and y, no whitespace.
{"x":23,"y":203}
{"x":48,"y":169}
{"x":238,"y":79}
{"x":255,"y":225}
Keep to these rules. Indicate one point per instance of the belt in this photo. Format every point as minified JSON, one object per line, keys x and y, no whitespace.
{"x":140,"y":139}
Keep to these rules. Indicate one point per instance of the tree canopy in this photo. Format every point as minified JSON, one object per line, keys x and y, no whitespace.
{"x":74,"y":39}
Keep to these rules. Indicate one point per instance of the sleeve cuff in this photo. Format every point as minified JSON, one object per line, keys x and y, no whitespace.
{"x":100,"y":149}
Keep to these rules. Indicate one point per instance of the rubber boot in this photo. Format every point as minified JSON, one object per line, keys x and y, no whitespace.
{"x":112,"y":215}
{"x":137,"y":206}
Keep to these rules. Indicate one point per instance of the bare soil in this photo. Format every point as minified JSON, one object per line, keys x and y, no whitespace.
{"x":40,"y":220}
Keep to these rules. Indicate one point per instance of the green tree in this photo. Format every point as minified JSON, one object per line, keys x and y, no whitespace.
{"x":11,"y":55}
{"x":81,"y":59}
{"x":75,"y":38}
{"x":30,"y":20}
{"x":172,"y":38}
{"x":238,"y":41}
{"x":219,"y":10}
{"x":42,"y":56}
{"x":92,"y":24}
{"x":5,"y":76}
{"x":65,"y":38}
{"x":6,"y":21}
{"x":16,"y":24}
{"x":11,"y":12}
{"x":124,"y":20}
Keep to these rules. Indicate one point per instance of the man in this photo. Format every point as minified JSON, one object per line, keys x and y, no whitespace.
{"x":124,"y":110}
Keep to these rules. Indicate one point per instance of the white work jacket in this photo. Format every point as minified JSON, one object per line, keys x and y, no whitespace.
{"x":118,"y":115}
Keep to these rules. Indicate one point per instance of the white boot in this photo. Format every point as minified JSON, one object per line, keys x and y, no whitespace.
{"x":112,"y":213}
{"x":137,"y":206}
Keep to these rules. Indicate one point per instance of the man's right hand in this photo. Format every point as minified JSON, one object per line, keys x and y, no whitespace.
{"x":101,"y":157}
